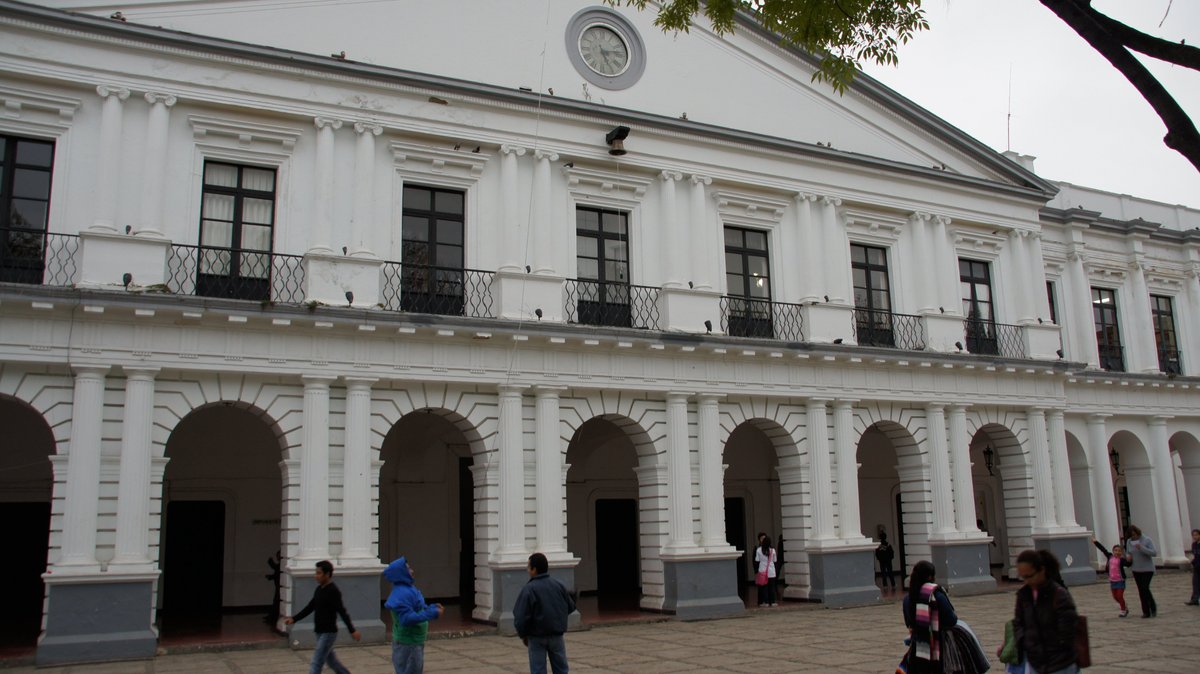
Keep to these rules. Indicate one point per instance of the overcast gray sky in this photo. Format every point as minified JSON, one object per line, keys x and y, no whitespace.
{"x":1072,"y":110}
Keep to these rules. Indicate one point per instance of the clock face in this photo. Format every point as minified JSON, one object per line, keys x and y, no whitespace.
{"x":604,"y":50}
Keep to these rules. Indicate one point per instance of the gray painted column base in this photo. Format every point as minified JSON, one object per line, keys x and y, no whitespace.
{"x":98,"y":621}
{"x":963,"y":567}
{"x":361,"y":596}
{"x":700,"y":589}
{"x":507,"y":584}
{"x":1074,"y":552}
{"x":842,"y":577}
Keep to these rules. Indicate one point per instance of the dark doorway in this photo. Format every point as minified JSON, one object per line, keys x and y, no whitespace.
{"x":617,"y":558}
{"x":28,"y":532}
{"x":900,"y":539}
{"x":466,"y":534}
{"x":735,"y":535}
{"x":193,"y":564}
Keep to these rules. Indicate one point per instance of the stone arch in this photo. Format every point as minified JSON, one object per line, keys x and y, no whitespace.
{"x":894,"y":483}
{"x":279,"y":405}
{"x":1003,"y":496}
{"x":1081,"y":482}
{"x":1185,"y":456}
{"x":47,"y":393}
{"x":1133,"y":483}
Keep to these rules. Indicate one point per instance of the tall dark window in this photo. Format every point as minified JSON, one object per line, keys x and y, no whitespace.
{"x":1108,"y":333}
{"x":432,"y":275}
{"x":1053,"y":302}
{"x":237,"y":221}
{"x":25,"y":171}
{"x":748,"y":280}
{"x":1163,"y":314}
{"x":602,"y":265}
{"x":975,"y":278}
{"x":872,"y":295}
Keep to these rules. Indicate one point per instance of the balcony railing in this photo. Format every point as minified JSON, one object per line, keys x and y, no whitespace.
{"x":620,"y":305}
{"x":235,"y":274}
{"x":746,"y":317}
{"x":1169,"y":361}
{"x":1112,"y":357}
{"x":884,"y":328}
{"x":445,"y":291}
{"x":988,"y":338}
{"x":38,"y":258}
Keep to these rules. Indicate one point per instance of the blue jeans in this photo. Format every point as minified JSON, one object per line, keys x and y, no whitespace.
{"x":324,"y":655}
{"x":540,"y":647}
{"x":408,"y":658}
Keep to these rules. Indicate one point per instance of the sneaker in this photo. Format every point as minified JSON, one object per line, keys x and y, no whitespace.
{"x":1124,"y":613}
{"x":1191,"y":603}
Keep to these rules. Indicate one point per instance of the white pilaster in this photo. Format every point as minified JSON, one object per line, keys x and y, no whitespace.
{"x":675,"y":267}
{"x":133,"y":497}
{"x":323,"y":169}
{"x":836,"y":264}
{"x":511,"y":455}
{"x":679,"y":474}
{"x":1044,"y":518}
{"x":809,"y":249}
{"x":1083,"y":325}
{"x":364,"y":190}
{"x":849,"y":519}
{"x":939,"y":474}
{"x":155,"y":163}
{"x":1037,"y":276}
{"x":949,"y":286}
{"x":1022,"y":303}
{"x":1190,"y":344}
{"x":1141,"y":354}
{"x":1104,"y":501}
{"x":1060,"y":465}
{"x":924,"y":283}
{"x":314,"y":470}
{"x":356,"y":469}
{"x":82,"y":490}
{"x":818,"y":450}
{"x":551,"y":485}
{"x":512,"y":254}
{"x":543,"y":227}
{"x":699,"y":234}
{"x":959,"y":443}
{"x":712,"y":473}
{"x":108,"y":171}
{"x":1162,"y":478}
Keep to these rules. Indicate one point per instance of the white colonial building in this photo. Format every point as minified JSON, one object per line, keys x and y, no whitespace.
{"x":463,"y":280}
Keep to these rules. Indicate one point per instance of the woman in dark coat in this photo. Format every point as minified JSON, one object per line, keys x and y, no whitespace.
{"x":1045,"y":617}
{"x":924,"y":653}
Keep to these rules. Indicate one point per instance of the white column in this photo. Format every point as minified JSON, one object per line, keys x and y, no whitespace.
{"x":699,"y":234}
{"x":1189,"y":346}
{"x":314,"y":469}
{"x":511,"y":455}
{"x":949,"y":291}
{"x":959,"y":443}
{"x":155,"y":163}
{"x":1080,"y":310}
{"x":1037,"y":276}
{"x":818,"y":450}
{"x":679,"y":473}
{"x":924,"y":283}
{"x":1162,"y":479}
{"x":674,"y":266}
{"x":810,"y":251}
{"x":836,"y":267}
{"x":849,"y":520}
{"x":512,"y":253}
{"x":1039,"y":454}
{"x":82,"y":490}
{"x":543,"y":227}
{"x":356,"y":471}
{"x":712,"y":472}
{"x":364,"y":190}
{"x":323,"y":170}
{"x":133,"y":496}
{"x":108,"y":163}
{"x":551,"y":489}
{"x":1060,"y":466}
{"x":939,"y":465}
{"x":1104,"y":500}
{"x":1022,"y":306}
{"x":1141,"y":353}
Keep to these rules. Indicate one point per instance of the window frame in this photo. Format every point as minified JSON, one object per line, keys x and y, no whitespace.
{"x":239,"y":194}
{"x":1109,"y":350}
{"x":1168,"y":355}
{"x":746,"y":252}
{"x":23,"y":269}
{"x":867,"y":268}
{"x":430,"y":287}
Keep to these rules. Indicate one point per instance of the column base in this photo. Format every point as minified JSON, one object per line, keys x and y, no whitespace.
{"x":327,"y":279}
{"x":842,"y":574}
{"x":507,"y":581}
{"x":520,"y":296}
{"x":685,"y":309}
{"x":942,"y":331}
{"x":825,"y":323}
{"x":701,"y":586}
{"x":964,"y":565}
{"x":361,"y":593}
{"x":1074,"y":552}
{"x":97,"y":618}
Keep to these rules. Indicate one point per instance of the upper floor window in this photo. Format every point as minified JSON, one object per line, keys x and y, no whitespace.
{"x":432,"y":226}
{"x":1108,"y":333}
{"x":602,"y":266}
{"x":237,"y":222}
{"x":25,"y":171}
{"x":872,"y":295}
{"x":748,"y":280}
{"x":976,"y":280}
{"x":1163,"y":314}
{"x":1053,"y":302}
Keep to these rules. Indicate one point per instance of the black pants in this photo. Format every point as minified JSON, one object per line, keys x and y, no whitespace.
{"x":1143,"y":578}
{"x":766,"y":593}
{"x":1195,"y":584}
{"x":889,"y":576}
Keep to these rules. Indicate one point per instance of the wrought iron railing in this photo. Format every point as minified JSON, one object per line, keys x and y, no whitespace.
{"x":1169,"y":361}
{"x":38,"y":258}
{"x":1112,"y":357}
{"x":989,"y":338}
{"x":885,"y":328}
{"x":236,"y":274}
{"x":621,"y":305}
{"x":747,"y":317}
{"x":446,"y":291}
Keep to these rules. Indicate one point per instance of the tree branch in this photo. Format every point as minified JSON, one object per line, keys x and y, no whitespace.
{"x":1154,"y":47}
{"x":1181,"y":132}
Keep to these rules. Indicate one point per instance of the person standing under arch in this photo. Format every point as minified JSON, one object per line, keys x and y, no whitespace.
{"x":1141,"y":551}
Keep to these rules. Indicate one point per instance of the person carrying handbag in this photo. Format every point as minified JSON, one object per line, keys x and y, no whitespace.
{"x":764,"y":561}
{"x":1045,"y":619}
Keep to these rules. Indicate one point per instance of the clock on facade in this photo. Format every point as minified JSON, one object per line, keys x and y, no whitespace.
{"x":605,"y":48}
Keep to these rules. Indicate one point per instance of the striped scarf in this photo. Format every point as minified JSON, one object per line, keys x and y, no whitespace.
{"x":927,"y":626}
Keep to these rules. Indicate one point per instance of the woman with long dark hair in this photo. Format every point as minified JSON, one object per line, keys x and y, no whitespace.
{"x":764,"y":560}
{"x":1141,"y":552}
{"x":1045,"y":616}
{"x":928,"y":613}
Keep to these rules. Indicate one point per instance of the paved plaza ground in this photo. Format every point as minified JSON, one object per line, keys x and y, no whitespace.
{"x":797,"y":637}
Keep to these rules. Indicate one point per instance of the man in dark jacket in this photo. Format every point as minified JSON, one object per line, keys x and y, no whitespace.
{"x":540,"y":617}
{"x":327,"y":603}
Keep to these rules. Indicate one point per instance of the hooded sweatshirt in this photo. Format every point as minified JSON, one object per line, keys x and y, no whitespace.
{"x":410,"y":614}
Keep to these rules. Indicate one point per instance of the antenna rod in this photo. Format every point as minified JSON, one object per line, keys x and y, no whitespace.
{"x":1008,"y":122}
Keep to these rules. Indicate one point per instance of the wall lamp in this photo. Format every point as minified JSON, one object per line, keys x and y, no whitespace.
{"x":616,"y":140}
{"x":1115,"y":459}
{"x":989,"y":458}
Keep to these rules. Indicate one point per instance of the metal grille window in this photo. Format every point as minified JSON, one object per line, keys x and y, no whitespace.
{"x":237,"y":223}
{"x":872,"y":295}
{"x":25,"y":171}
{"x":748,"y":279}
{"x":976,"y":280}
{"x":1163,"y":314}
{"x":432,"y":273}
{"x":602,"y":266}
{"x":1108,"y":333}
